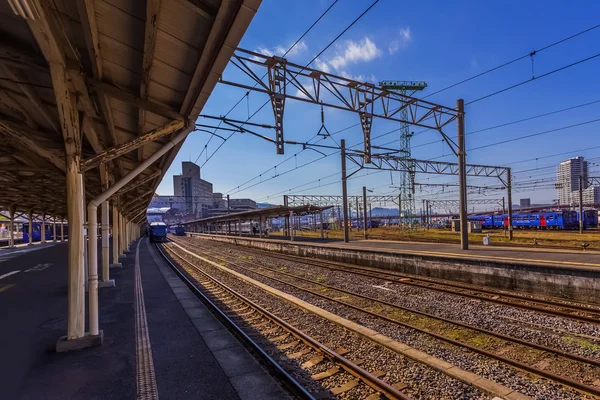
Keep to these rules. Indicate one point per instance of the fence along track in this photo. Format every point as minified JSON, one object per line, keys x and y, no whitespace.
{"x":213,"y":286}
{"x":564,"y":380}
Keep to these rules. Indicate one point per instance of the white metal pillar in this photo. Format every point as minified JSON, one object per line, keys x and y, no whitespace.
{"x":30,"y":227}
{"x":62,"y":229}
{"x":115,"y":233}
{"x":121,"y":237}
{"x":43,"y":237}
{"x":54,"y":229}
{"x":11,"y":237}
{"x":92,"y":242}
{"x":260,"y":228}
{"x":106,"y":281}
{"x":76,"y":313}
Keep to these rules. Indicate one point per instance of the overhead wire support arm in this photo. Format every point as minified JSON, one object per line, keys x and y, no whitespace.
{"x":329,"y":90}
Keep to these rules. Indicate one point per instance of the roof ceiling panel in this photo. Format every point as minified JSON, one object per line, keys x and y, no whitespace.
{"x":121,"y":76}
{"x":119,"y":25}
{"x":176,"y":20}
{"x":164,"y":94}
{"x":176,"y":53}
{"x":121,"y":54}
{"x":136,"y":9}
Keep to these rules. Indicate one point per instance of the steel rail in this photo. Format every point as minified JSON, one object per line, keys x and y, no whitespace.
{"x":363,"y":375}
{"x":363,"y":271}
{"x":290,"y":383}
{"x":501,"y":336}
{"x":557,"y":378}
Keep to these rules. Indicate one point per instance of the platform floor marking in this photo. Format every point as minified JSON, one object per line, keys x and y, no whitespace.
{"x":146,"y":379}
{"x":6,"y":287}
{"x":39,"y":267}
{"x":9,"y":274}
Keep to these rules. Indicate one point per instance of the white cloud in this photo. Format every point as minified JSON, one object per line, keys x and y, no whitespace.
{"x":401,"y":41}
{"x":364,"y":50}
{"x":322,"y":65}
{"x":359,"y":78}
{"x":280,"y":50}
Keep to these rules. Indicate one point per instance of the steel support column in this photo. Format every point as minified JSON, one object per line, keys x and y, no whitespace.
{"x":54,"y":229}
{"x":106,"y":281}
{"x":321,"y":221}
{"x":11,"y":237}
{"x":43,"y":231}
{"x":365,"y":232}
{"x":580,"y":204}
{"x":30,"y":228}
{"x":121,"y":236}
{"x":92,"y":215}
{"x":76,"y":292}
{"x":62,"y":230}
{"x":115,"y":233}
{"x":510,"y":210}
{"x":462,"y":174}
{"x":344,"y":191}
{"x":286,"y":223}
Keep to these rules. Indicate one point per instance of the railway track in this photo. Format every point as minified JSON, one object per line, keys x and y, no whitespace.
{"x":289,"y":343}
{"x":555,"y":307}
{"x":365,"y":304}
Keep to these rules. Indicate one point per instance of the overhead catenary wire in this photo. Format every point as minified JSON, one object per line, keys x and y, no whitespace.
{"x":522,"y":83}
{"x":487,"y":96}
{"x":525,"y":56}
{"x":304,"y":67}
{"x":245,"y":96}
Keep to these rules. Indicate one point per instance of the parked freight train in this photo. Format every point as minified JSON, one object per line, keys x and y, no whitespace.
{"x":177,"y":230}
{"x":562,"y":220}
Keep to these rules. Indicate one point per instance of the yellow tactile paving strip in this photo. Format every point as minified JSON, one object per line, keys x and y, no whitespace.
{"x":146,"y":379}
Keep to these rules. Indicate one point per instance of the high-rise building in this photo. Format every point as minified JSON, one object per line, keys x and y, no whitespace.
{"x":589,"y":195}
{"x":196,"y":192}
{"x":567,"y":182}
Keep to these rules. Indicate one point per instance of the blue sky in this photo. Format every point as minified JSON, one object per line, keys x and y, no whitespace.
{"x":442,"y":45}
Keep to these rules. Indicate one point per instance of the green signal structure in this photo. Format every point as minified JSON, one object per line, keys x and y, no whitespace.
{"x":407,"y":189}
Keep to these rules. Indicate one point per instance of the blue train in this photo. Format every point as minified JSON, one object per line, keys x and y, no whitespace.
{"x":158,"y":232}
{"x":563,"y":220}
{"x":36,"y":231}
{"x":177,"y":230}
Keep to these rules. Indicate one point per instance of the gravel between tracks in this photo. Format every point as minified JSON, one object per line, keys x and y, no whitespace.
{"x":441,"y":303}
{"x":423,"y":382}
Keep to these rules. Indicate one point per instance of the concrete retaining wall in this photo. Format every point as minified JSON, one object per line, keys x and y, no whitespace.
{"x":576,"y":283}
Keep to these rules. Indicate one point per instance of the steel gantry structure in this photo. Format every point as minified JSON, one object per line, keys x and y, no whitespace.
{"x":362,"y":98}
{"x":407,"y":187}
{"x":390,"y":162}
{"x":329,"y":90}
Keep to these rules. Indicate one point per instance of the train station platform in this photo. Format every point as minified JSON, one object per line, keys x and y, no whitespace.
{"x":542,"y":256}
{"x":571,"y":274}
{"x":159,"y":339}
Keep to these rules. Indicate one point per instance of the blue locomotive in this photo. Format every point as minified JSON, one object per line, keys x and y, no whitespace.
{"x":562,"y":220}
{"x":177,"y":230}
{"x":158,"y":232}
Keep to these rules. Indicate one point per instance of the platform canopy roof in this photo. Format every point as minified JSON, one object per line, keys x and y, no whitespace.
{"x":253,"y":215}
{"x":110,"y":81}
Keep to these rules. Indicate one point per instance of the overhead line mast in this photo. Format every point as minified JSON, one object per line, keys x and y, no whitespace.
{"x":407,"y":178}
